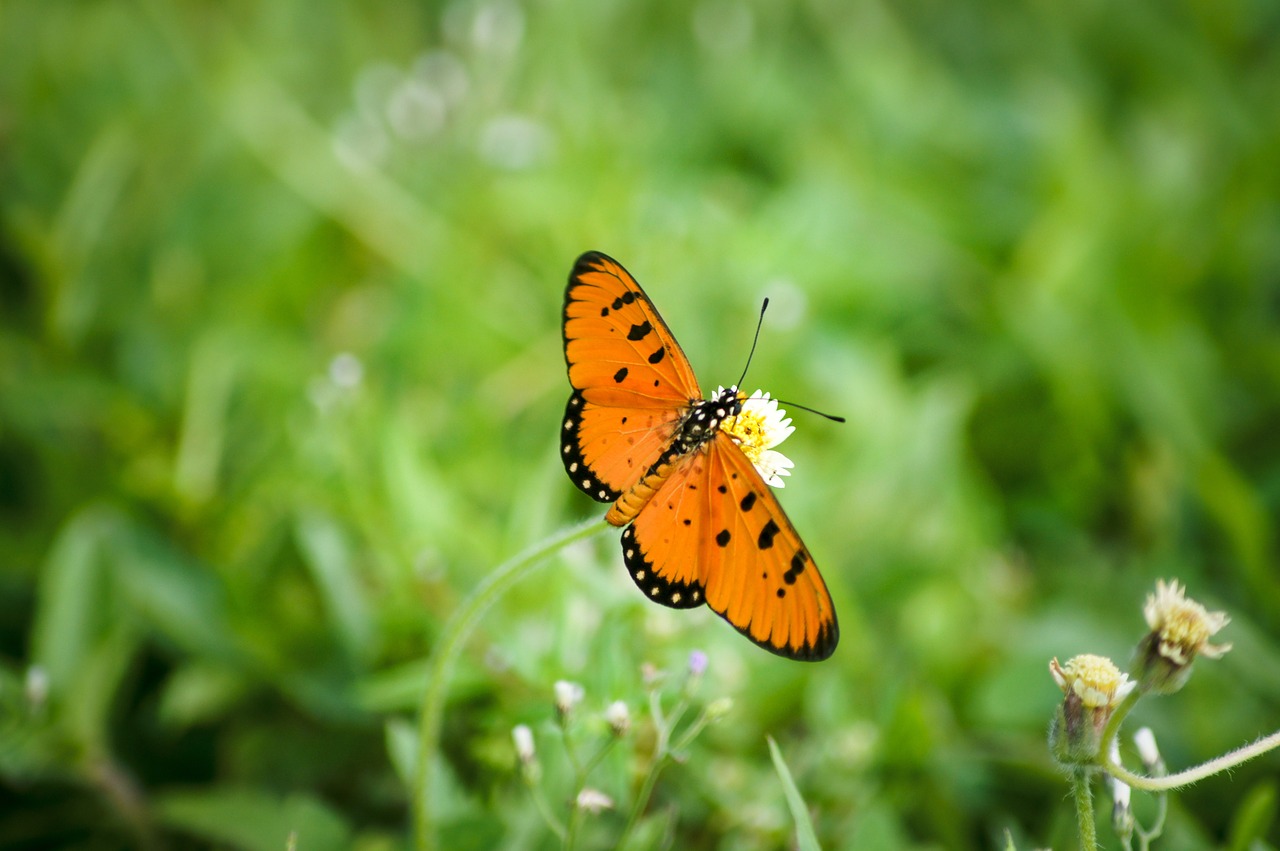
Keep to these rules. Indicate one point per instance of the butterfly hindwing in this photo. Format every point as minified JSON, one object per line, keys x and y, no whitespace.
{"x":715,"y":532}
{"x":661,"y":547}
{"x":631,"y":381}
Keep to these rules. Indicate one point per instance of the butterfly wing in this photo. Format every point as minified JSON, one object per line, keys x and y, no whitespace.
{"x":632,"y":383}
{"x":714,"y":531}
{"x":757,"y":572}
{"x":662,"y":547}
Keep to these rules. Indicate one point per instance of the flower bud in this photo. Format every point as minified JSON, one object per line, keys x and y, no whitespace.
{"x":522,"y":736}
{"x":1180,"y":631}
{"x":568,"y":695}
{"x":1093,"y":686}
{"x":719,"y":708}
{"x":593,"y":801}
{"x":1148,"y":752}
{"x":1122,"y":820}
{"x":618,"y":717}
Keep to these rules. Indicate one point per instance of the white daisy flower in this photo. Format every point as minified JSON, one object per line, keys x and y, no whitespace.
{"x":760,"y":426}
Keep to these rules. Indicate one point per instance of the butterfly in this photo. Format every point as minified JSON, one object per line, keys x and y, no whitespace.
{"x":702,"y":525}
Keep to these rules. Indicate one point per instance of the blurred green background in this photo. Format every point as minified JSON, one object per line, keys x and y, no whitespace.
{"x":281,"y":379}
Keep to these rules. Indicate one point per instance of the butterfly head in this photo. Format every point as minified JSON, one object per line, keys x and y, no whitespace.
{"x":757,"y":425}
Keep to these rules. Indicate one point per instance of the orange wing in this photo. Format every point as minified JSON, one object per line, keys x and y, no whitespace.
{"x":631,"y":381}
{"x":714,"y":531}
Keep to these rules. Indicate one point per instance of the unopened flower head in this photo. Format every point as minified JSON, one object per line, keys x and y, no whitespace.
{"x":568,"y":695}
{"x":522,"y":737}
{"x":618,"y":718}
{"x":1148,"y":750}
{"x":1122,"y":820}
{"x":719,"y":708}
{"x":1180,"y":631}
{"x":757,"y":428}
{"x":1093,"y":686}
{"x":697,"y":663}
{"x":650,"y":675}
{"x":593,"y":800}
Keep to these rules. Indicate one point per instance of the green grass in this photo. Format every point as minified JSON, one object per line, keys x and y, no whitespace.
{"x":281,"y":379}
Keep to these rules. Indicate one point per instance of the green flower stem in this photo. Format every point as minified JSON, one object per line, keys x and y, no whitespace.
{"x":595,"y":760}
{"x":1192,"y":775}
{"x":1083,"y":793}
{"x":642,"y":799}
{"x":569,"y":749}
{"x":544,"y":809}
{"x":661,"y":753}
{"x":575,"y":817}
{"x":580,"y":774}
{"x":455,"y":633}
{"x":1113,"y":723}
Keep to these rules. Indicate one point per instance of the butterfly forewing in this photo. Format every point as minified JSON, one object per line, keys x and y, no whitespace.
{"x":619,"y":351}
{"x":632,"y":382}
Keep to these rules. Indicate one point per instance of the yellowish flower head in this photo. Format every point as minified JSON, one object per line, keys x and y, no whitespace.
{"x":757,"y":428}
{"x":1182,"y":626}
{"x":1094,"y":687}
{"x":1095,"y":680}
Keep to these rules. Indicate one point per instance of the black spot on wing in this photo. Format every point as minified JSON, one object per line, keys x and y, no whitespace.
{"x":765,"y":541}
{"x":639,"y":332}
{"x":620,"y":376}
{"x":657,"y":356}
{"x":723,"y":538}
{"x":748,"y":501}
{"x":675,"y":595}
{"x":571,"y":454}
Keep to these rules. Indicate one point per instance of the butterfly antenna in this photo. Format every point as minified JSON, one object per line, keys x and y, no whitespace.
{"x":831,"y":417}
{"x":751,"y":354}
{"x":756,"y":339}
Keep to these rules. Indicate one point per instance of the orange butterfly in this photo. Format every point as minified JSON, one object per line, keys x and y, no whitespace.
{"x":704,"y":525}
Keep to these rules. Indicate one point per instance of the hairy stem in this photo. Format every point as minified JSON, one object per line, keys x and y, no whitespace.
{"x":1192,"y":775}
{"x":1082,"y":791}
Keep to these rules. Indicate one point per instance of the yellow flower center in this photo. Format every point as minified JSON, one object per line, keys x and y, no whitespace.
{"x":1183,"y":632}
{"x":1094,"y":679}
{"x":748,"y":429}
{"x":1183,"y":625}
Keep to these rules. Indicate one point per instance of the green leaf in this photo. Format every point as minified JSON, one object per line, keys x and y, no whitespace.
{"x":253,"y":820}
{"x":1253,"y":818}
{"x":70,"y":610}
{"x":325,"y":548}
{"x":805,"y":837}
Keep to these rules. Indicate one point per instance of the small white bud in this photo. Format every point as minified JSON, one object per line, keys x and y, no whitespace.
{"x":568,"y":695}
{"x":618,"y":717}
{"x":522,"y":736}
{"x":1145,"y":741}
{"x":593,"y":801}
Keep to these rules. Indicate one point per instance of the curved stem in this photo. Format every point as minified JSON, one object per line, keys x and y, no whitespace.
{"x":1117,"y":717}
{"x":1200,"y":772}
{"x":455,"y":633}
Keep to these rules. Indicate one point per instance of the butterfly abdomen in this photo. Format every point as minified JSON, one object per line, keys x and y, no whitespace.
{"x":634,"y":500}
